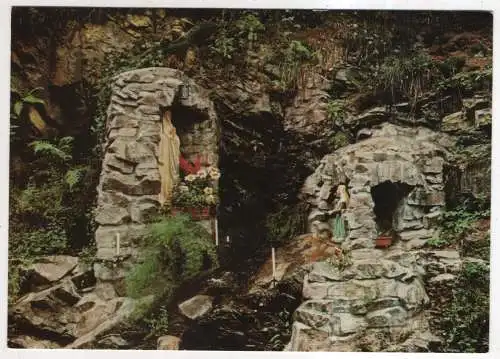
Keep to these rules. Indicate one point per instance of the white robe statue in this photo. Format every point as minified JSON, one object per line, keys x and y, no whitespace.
{"x":169,"y":158}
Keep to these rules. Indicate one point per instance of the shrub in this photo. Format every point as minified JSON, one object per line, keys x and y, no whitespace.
{"x":177,"y":249}
{"x":336,"y":111}
{"x":465,"y":321}
{"x":409,"y":76}
{"x":249,"y":26}
{"x":456,"y":223}
{"x":286,"y":223}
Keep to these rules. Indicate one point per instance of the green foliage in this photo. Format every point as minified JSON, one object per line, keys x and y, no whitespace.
{"x":58,"y":151}
{"x":336,"y":111}
{"x":342,"y":259}
{"x":48,"y":209}
{"x":286,"y":223}
{"x":457,"y":223}
{"x":176,"y":250}
{"x":21,"y":101}
{"x":197,"y":190}
{"x":249,"y":27}
{"x":451,"y":65}
{"x":87,"y":255}
{"x":158,"y":324}
{"x":338,"y":140}
{"x":291,"y":63}
{"x":465,"y":321}
{"x":75,"y":175}
{"x":224,"y":46}
{"x":468,"y":81}
{"x":20,"y":109}
{"x":410,"y":75}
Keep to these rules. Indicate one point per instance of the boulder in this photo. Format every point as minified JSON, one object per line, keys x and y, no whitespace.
{"x":117,"y":311}
{"x":30,"y":342}
{"x":168,"y":342}
{"x":50,"y":311}
{"x":113,"y":341}
{"x":197,"y":306}
{"x":454,"y":122}
{"x":483,"y":118}
{"x":50,"y":269}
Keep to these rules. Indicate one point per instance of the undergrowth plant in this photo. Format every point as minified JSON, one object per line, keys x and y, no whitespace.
{"x":465,"y":321}
{"x":293,"y":62}
{"x":286,"y":223}
{"x":456,"y":223}
{"x":177,"y":249}
{"x":409,"y":76}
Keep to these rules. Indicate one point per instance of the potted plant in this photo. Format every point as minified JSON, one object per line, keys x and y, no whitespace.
{"x":383,"y":240}
{"x":196,"y":193}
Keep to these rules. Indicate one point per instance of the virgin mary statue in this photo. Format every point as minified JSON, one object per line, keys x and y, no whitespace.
{"x":169,"y":157}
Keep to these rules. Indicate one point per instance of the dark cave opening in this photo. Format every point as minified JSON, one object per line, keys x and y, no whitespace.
{"x":387,"y":196}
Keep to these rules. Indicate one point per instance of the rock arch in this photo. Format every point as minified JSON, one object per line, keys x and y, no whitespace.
{"x":413,"y":158}
{"x":130,"y":182}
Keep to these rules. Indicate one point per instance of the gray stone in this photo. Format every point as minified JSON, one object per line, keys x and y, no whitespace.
{"x":432,"y":219}
{"x":196,"y":307}
{"x":168,"y":342}
{"x":105,"y":321}
{"x":50,"y":269}
{"x":483,"y":117}
{"x":112,"y":215}
{"x":420,"y":197}
{"x":143,"y":211}
{"x":50,"y":310}
{"x":120,"y":165}
{"x":445,"y":277}
{"x":113,"y":341}
{"x":382,"y":303}
{"x":454,"y":122}
{"x":128,"y":184}
{"x":387,"y":317}
{"x":343,"y":324}
{"x":323,"y":272}
{"x":312,"y":318}
{"x":30,"y":342}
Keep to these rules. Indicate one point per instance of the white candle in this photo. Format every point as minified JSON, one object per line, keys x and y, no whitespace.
{"x":216,"y":233}
{"x":274,"y":263}
{"x":117,"y":244}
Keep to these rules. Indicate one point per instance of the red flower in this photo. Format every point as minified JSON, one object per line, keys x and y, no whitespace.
{"x":190,"y":168}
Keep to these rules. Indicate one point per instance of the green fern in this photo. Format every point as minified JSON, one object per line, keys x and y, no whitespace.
{"x":60,"y":151}
{"x":74,"y":176}
{"x":176,"y":250}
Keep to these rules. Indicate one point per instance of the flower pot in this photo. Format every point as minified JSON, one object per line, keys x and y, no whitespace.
{"x":196,"y":213}
{"x":383,"y":241}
